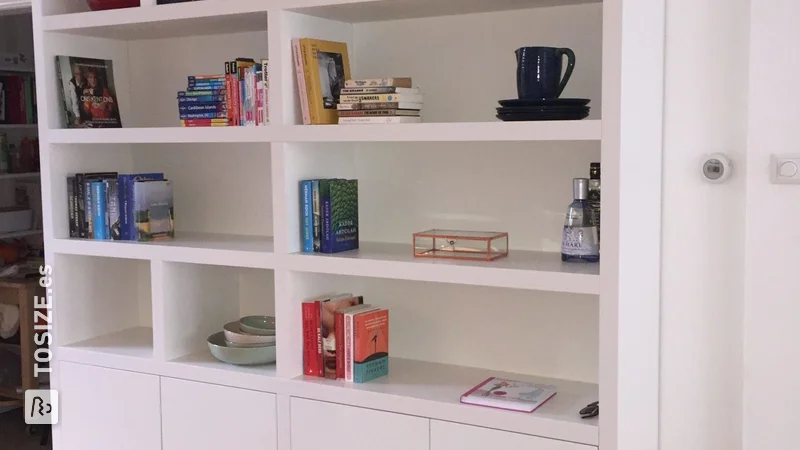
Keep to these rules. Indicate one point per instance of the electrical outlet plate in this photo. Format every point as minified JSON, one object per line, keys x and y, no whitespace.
{"x":785,"y":169}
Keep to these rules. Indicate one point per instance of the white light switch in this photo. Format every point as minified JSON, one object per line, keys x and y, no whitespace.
{"x":785,"y":169}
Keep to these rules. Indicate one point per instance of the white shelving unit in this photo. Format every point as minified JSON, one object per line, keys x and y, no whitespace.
{"x":137,"y":315}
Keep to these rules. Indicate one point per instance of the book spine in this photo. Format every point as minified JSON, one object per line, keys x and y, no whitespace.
{"x":378,"y":82}
{"x":391,"y":120}
{"x":340,"y":339}
{"x":98,"y":210}
{"x":229,"y":91}
{"x":87,"y":185}
{"x":381,"y":98}
{"x":195,"y":78}
{"x":265,"y":76}
{"x":203,"y":115}
{"x":316,"y":214}
{"x":301,"y":81}
{"x":112,"y":194}
{"x":207,"y":93}
{"x":308,"y":217}
{"x":203,"y":107}
{"x":29,"y":100}
{"x":325,"y":203}
{"x":242,"y":100}
{"x":124,"y":215}
{"x":309,"y":339}
{"x":23,"y":113}
{"x":203,"y":99}
{"x":73,"y":230}
{"x":215,"y":84}
{"x":80,"y":185}
{"x":348,"y":347}
{"x":318,"y":331}
{"x":204,"y":123}
{"x":379,"y":112}
{"x":311,"y":93}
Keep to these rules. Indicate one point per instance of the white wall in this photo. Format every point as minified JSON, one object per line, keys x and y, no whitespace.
{"x":772,"y":244}
{"x":703,"y":226}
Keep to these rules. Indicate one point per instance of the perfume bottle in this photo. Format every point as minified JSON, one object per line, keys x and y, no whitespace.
{"x":594,"y":195}
{"x":579,"y":242}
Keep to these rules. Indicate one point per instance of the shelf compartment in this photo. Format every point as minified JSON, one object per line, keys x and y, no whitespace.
{"x":187,"y":247}
{"x":203,"y":367}
{"x":541,"y":271}
{"x":163,"y":21}
{"x":129,"y":349}
{"x":434,"y":390}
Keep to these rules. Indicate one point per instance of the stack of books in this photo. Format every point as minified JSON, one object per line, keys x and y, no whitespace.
{"x":239,"y":97}
{"x":379,"y":101}
{"x":120,"y":207}
{"x":18,"y":99}
{"x":330,"y":215}
{"x":345,"y":339}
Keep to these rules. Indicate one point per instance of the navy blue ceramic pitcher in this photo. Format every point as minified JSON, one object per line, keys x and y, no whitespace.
{"x":539,"y":72}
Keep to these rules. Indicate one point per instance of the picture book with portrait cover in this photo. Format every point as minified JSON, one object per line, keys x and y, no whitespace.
{"x":88,"y":92}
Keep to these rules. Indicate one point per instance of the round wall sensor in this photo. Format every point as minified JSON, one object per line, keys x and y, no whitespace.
{"x":717,"y":168}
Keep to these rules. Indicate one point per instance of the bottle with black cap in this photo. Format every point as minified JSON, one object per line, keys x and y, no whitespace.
{"x":579,"y":242}
{"x":594,"y":194}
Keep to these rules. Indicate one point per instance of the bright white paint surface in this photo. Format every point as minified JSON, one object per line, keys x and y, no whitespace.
{"x":447,"y":435}
{"x":703,"y":259}
{"x":772,"y":239}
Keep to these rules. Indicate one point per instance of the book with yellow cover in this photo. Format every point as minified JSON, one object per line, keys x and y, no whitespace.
{"x":326,"y":66}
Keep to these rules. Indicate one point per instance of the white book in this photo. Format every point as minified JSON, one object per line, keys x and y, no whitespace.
{"x":348,"y":337}
{"x":378,"y":120}
{"x":387,"y":105}
{"x":508,"y":394}
{"x":380,"y":98}
{"x":297,"y":53}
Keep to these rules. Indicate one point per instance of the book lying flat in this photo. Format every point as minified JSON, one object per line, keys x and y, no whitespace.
{"x":507,"y":394}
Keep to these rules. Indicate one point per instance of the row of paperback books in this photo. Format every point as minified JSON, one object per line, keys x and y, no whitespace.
{"x":329,"y":215}
{"x":120,"y":207}
{"x":239,"y":97}
{"x":379,"y":100}
{"x":17,"y":100}
{"x":343,"y":338}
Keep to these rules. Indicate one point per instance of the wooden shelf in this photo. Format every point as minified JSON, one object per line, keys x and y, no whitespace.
{"x":434,"y":390}
{"x":521,"y":269}
{"x":188,"y":247}
{"x":581,"y":130}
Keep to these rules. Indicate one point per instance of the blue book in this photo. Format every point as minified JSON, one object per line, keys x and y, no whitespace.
{"x":205,"y":88}
{"x":203,"y":107}
{"x":127,"y":221}
{"x":208,"y":84}
{"x":203,"y":115}
{"x":99,"y":210}
{"x":325,"y":206}
{"x":316,"y":211}
{"x":308,"y":216}
{"x":201,"y":92}
{"x":202,"y":99}
{"x":205,"y":79}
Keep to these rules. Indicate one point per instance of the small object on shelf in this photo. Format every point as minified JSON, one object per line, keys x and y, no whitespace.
{"x":258,"y":325}
{"x":508,"y":394}
{"x":539,"y":71}
{"x":153,"y":210}
{"x":458,"y":244}
{"x":14,"y":218}
{"x":380,"y":101}
{"x":594,"y":195}
{"x":101,"y":5}
{"x":579,"y":241}
{"x":245,"y":356}
{"x":550,"y":109}
{"x":234,"y":334}
{"x":321,"y":68}
{"x":590,"y":410}
{"x":88,"y":92}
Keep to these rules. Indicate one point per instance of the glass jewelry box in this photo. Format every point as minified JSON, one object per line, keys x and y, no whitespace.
{"x":459,"y":244}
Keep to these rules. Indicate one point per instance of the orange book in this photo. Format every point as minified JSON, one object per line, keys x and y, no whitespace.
{"x":370,"y":345}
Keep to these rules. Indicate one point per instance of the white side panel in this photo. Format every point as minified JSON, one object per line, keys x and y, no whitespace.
{"x":104,"y":408}
{"x":206,"y":416}
{"x":452,"y":436}
{"x":772,"y":241}
{"x":703,"y":226}
{"x":355,"y":428}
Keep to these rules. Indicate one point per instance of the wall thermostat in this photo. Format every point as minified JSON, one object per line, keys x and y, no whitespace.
{"x":717,"y":168}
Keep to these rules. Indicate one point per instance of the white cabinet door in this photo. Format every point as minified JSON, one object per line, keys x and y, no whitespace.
{"x":199,"y":416}
{"x":104,"y":409}
{"x":453,"y":436}
{"x":329,"y":426}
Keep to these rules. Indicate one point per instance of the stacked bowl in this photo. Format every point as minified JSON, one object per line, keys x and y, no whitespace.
{"x":248,"y":341}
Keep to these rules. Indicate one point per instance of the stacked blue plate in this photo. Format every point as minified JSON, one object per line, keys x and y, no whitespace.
{"x":551,"y":109}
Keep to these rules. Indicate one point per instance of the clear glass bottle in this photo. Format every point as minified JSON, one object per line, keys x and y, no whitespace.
{"x":579,"y":242}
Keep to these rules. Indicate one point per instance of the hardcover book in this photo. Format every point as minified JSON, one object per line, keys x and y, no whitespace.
{"x":370,"y":345}
{"x":326,"y":66}
{"x":308,"y":215}
{"x":339,"y":200}
{"x":153,"y":210}
{"x":379,"y":82}
{"x":379,"y":120}
{"x":328,"y":310}
{"x":114,"y":224}
{"x":513,"y":395}
{"x":125,"y":189}
{"x":88,"y":92}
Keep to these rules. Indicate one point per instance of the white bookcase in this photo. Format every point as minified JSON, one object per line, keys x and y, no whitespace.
{"x":136,"y":316}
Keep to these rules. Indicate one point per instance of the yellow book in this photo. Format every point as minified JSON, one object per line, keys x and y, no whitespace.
{"x":326,"y":66}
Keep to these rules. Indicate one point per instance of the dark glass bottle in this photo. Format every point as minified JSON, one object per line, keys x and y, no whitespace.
{"x":579,"y":241}
{"x":594,"y":195}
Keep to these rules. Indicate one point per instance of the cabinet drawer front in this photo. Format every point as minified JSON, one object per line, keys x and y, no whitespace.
{"x":320,"y":425}
{"x":199,"y":416}
{"x":453,"y":436}
{"x":105,"y":408}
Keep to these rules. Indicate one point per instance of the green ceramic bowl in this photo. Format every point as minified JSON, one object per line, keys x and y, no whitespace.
{"x":240,"y":356}
{"x":260,"y":325}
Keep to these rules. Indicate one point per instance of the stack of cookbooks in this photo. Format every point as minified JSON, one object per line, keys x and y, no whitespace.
{"x":379,"y":101}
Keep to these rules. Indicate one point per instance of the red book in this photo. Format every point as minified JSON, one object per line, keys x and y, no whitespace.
{"x":320,"y":368}
{"x":339,"y":319}
{"x":310,"y":339}
{"x":12,"y":100}
{"x":229,"y":92}
{"x":23,"y":112}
